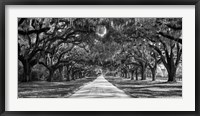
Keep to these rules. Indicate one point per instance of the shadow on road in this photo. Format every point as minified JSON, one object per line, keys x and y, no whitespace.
{"x":147,"y":89}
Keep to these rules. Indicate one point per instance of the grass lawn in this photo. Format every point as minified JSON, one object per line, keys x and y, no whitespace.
{"x":43,"y":89}
{"x":147,"y":88}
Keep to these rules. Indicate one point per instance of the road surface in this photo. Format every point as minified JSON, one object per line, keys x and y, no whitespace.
{"x":99,"y":88}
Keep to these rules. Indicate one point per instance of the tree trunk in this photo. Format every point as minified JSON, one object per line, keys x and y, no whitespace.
{"x":27,"y":72}
{"x":80,"y":74}
{"x":153,"y":73}
{"x":171,"y":69}
{"x":125,"y":73}
{"x":51,"y":72}
{"x":24,"y":73}
{"x":72,"y":75}
{"x":132,"y":75}
{"x":136,"y":74}
{"x":68,"y":74}
{"x":75,"y":75}
{"x":153,"y":76}
{"x":143,"y":73}
{"x":171,"y":74}
{"x":129,"y":73}
{"x":60,"y":74}
{"x":122,"y":74}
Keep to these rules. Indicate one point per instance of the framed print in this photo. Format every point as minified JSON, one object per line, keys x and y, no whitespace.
{"x":129,"y":57}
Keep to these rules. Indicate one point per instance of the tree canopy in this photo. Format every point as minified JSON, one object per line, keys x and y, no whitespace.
{"x":75,"y":47}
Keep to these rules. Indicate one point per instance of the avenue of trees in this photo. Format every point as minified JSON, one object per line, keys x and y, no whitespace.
{"x":65,"y":49}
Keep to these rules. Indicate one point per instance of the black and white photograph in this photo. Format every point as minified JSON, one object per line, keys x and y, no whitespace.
{"x":99,"y":57}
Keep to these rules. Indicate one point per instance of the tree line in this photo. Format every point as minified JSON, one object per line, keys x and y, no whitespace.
{"x":64,"y":49}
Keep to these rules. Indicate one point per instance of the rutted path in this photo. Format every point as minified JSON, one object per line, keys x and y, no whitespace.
{"x":99,"y":88}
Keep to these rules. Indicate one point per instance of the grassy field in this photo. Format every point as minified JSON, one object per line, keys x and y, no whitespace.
{"x":43,"y":89}
{"x":148,"y":88}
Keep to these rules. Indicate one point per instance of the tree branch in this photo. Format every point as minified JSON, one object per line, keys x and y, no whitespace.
{"x":170,"y":37}
{"x":22,"y":32}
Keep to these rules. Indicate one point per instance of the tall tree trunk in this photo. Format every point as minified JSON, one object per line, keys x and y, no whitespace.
{"x":132,"y":75}
{"x":80,"y":74}
{"x":136,"y":74}
{"x":60,"y":74}
{"x":125,"y":73}
{"x":171,"y":68}
{"x":143,"y":73}
{"x":24,"y":72}
{"x":51,"y":72}
{"x":75,"y":75}
{"x":68,"y":74}
{"x":153,"y":73}
{"x":128,"y":74}
{"x":171,"y":73}
{"x":72,"y":75}
{"x":27,"y":72}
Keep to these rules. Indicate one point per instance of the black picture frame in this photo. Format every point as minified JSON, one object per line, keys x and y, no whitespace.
{"x":98,"y":2}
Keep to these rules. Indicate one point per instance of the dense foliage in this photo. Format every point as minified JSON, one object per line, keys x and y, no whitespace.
{"x":64,"y":49}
